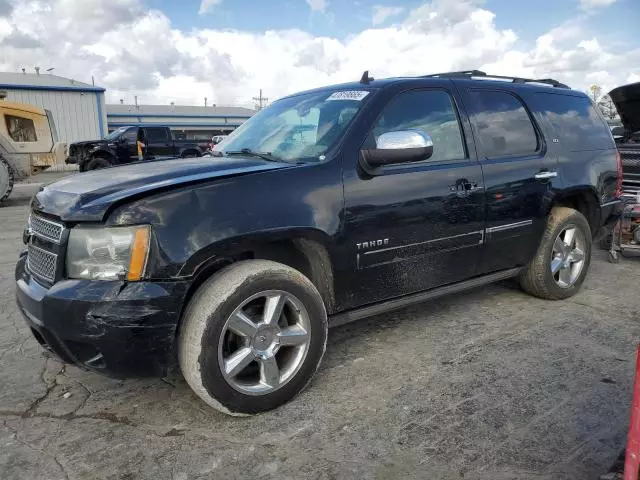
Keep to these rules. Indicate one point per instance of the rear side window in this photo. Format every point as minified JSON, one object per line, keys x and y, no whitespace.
{"x":431,"y":111}
{"x":575,"y":122}
{"x":157,"y":134}
{"x":502,"y":124}
{"x":21,"y":129}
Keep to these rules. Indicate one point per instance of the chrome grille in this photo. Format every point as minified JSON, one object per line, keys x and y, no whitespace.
{"x":630,"y":172}
{"x":46,"y":229}
{"x":41,"y":263}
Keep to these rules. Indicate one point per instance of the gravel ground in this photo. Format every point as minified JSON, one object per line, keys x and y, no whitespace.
{"x":491,"y":384}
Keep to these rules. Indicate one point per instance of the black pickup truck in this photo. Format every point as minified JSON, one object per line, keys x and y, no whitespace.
{"x":327,"y":206}
{"x":121,"y":146}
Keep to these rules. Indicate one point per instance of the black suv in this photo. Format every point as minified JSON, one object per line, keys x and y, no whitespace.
{"x":325,"y":207}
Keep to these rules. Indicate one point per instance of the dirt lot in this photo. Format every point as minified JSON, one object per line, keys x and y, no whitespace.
{"x":491,"y":384}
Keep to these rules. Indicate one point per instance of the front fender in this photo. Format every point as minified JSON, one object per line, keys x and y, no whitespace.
{"x":195,"y":223}
{"x":232,"y":247}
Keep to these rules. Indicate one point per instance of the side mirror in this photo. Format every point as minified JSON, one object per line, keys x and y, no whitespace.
{"x":402,"y":146}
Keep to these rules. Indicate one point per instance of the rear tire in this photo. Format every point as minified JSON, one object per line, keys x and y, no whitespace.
{"x":254,"y":365}
{"x":98,"y":163}
{"x":562,"y":261}
{"x":191,"y":154}
{"x":6,"y":179}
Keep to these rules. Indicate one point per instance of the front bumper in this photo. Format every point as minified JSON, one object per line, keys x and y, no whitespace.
{"x":116,"y":328}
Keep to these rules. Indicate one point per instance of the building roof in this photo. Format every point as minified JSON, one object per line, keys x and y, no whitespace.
{"x":32,"y":81}
{"x":4,"y":104}
{"x":171,"y":111}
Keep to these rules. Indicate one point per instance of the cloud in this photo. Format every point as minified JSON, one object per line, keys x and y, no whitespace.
{"x":18,"y":39}
{"x":207,"y":5}
{"x":132,"y":50}
{"x":593,"y":4}
{"x":382,"y":13}
{"x":318,"y":5}
{"x":5,"y":8}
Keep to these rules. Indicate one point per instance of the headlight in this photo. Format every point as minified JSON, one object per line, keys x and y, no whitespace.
{"x":108,"y":253}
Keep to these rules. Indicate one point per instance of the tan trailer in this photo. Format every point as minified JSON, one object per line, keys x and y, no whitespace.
{"x":28,"y":143}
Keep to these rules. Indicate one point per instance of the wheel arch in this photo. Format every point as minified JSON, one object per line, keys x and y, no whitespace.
{"x":584,"y":200}
{"x":305,"y":252}
{"x":187,"y":150}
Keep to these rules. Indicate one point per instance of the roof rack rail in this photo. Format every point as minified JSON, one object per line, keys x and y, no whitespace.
{"x":480,"y":73}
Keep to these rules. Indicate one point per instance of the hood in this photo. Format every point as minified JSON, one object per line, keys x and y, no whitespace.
{"x":88,"y":196}
{"x":84,"y":147}
{"x":627,"y":101}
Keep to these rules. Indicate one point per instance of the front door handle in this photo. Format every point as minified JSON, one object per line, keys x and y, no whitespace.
{"x":463,"y":188}
{"x":546,"y":175}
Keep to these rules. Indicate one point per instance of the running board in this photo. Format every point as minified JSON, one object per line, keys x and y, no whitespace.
{"x":397,"y":303}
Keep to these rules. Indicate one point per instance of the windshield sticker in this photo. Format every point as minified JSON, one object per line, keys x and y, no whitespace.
{"x":356,"y":95}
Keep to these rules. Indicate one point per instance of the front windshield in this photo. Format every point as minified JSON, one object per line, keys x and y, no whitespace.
{"x":116,"y":133}
{"x":300,"y":128}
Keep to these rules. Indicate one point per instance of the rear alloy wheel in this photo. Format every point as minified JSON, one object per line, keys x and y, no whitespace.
{"x":567,"y":258}
{"x":562,"y":260}
{"x":252,"y":336}
{"x":6,"y":179}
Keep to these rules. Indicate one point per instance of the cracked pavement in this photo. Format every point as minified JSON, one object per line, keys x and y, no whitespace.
{"x":490,"y":384}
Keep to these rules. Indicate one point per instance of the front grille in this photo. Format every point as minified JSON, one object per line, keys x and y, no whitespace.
{"x":630,"y":157}
{"x":630,"y":172}
{"x":631,"y":184}
{"x":46,"y":229}
{"x":41,"y":263}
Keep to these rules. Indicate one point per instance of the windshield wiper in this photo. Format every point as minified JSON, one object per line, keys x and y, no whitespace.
{"x":247,"y":151}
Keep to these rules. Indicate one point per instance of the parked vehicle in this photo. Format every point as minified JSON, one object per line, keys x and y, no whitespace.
{"x":28,"y":143}
{"x":325,"y":207}
{"x":121,"y":146}
{"x":627,"y":101}
{"x":216,"y":139}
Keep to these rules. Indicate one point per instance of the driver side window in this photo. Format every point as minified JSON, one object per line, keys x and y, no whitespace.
{"x":130,"y":135}
{"x":432,"y":112}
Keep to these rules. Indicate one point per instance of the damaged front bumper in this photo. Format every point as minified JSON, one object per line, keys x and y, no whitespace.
{"x":121,"y":329}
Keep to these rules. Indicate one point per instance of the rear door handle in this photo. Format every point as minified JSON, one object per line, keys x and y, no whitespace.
{"x":546,"y":175}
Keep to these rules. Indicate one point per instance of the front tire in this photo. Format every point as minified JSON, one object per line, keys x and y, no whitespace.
{"x":98,"y":163}
{"x":252,"y":337}
{"x":6,"y":179}
{"x":562,"y":261}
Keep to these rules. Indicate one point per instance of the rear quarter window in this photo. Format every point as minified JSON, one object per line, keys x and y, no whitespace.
{"x":575,"y":122}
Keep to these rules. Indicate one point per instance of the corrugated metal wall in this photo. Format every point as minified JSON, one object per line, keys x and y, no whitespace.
{"x":179,"y":121}
{"x":77,"y":114}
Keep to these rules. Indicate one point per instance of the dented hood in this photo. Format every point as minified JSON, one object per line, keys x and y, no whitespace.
{"x":627,"y":101}
{"x":88,"y":196}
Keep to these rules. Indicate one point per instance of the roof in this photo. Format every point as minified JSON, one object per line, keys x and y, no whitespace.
{"x":495,"y":81}
{"x":21,"y":106}
{"x":171,"y":111}
{"x":32,"y":81}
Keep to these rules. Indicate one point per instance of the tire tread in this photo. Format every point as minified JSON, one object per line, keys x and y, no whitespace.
{"x":532,"y":279}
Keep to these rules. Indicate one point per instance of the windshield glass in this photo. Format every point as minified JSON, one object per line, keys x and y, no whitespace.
{"x":300,"y":128}
{"x":115,"y":134}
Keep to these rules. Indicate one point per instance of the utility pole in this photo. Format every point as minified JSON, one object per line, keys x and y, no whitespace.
{"x":205,"y":101}
{"x":260,"y":101}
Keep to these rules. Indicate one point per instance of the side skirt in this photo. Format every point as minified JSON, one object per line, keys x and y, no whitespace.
{"x":401,"y":302}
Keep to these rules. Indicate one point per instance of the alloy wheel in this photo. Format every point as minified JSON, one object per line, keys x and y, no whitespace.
{"x":568,"y":256}
{"x":264,"y":342}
